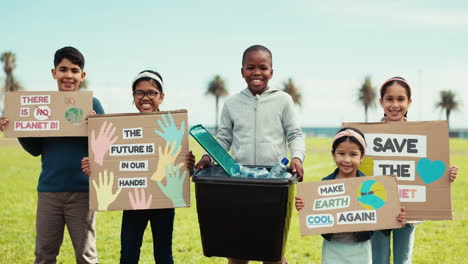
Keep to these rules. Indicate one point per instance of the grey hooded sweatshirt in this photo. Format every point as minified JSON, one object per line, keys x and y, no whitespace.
{"x":256,"y":128}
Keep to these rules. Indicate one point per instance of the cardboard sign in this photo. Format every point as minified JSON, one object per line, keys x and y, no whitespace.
{"x":47,"y":114}
{"x":137,"y":161}
{"x":349,"y":205}
{"x":418,"y":154}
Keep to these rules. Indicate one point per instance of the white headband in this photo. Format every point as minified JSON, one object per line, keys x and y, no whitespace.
{"x":148,"y":75}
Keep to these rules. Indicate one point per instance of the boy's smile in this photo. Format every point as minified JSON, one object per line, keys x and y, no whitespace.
{"x":68,"y":75}
{"x":257,"y":71}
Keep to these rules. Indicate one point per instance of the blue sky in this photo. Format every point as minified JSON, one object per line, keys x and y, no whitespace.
{"x":327,"y":47}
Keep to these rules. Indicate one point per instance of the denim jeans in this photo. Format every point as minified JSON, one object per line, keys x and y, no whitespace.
{"x":133,"y":227}
{"x":403,"y":242}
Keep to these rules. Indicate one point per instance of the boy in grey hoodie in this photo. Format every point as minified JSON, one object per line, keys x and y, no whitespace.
{"x":257,"y":123}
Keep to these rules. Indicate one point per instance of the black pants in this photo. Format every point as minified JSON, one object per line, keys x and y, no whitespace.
{"x":134,"y":223}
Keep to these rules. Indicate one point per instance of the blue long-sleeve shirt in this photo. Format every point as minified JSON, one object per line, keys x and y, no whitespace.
{"x":61,"y":160}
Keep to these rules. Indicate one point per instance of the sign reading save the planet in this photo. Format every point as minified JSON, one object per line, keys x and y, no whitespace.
{"x":47,"y":114}
{"x":349,"y":205}
{"x":417,"y":153}
{"x":137,"y":161}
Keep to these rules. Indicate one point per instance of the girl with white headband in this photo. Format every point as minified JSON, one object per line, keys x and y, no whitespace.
{"x":395,"y":99}
{"x":147,"y":88}
{"x":348,"y":150}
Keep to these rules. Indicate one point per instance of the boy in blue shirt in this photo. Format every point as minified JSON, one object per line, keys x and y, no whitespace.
{"x":63,"y":194}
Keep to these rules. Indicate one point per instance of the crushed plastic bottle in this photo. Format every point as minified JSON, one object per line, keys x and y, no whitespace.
{"x":262,"y":173}
{"x":279,"y":168}
{"x":237,"y":170}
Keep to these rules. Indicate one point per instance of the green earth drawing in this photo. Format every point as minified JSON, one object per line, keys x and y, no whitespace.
{"x":74,"y":115}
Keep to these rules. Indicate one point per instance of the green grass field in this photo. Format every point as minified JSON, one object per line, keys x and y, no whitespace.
{"x":436,"y":242}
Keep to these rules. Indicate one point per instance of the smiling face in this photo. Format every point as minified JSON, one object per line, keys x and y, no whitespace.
{"x":146,"y":104}
{"x":68,"y":75}
{"x":347,"y":157}
{"x":395,"y":102}
{"x":257,"y":71}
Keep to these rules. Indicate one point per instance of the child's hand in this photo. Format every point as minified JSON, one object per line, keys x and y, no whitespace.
{"x":189,"y":160}
{"x":85,"y":166}
{"x":90,"y":114}
{"x":453,"y":172}
{"x":401,"y":217}
{"x":296,"y":167}
{"x":204,"y":162}
{"x":299,"y":203}
{"x":3,"y":123}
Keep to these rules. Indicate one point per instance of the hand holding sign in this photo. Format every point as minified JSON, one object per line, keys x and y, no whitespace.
{"x":3,"y":123}
{"x":174,"y":185}
{"x":453,"y":172}
{"x":165,"y":159}
{"x":104,"y":190}
{"x":100,"y":144}
{"x":170,"y":132}
{"x":85,"y":166}
{"x":140,"y":202}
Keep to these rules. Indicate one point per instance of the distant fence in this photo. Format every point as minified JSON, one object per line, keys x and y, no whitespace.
{"x":458,"y":133}
{"x":331,"y":131}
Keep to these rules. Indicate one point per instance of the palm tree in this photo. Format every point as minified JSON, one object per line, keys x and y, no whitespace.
{"x":11,"y":85}
{"x":448,"y":103}
{"x":217,"y":88}
{"x":290,"y":88}
{"x":367,"y":95}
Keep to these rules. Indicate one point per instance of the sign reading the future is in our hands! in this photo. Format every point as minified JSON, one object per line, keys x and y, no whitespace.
{"x":137,"y":161}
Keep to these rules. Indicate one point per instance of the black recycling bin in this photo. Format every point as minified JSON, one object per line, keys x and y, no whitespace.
{"x":243,"y":218}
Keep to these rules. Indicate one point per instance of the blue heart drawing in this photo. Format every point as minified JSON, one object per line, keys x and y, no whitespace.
{"x":430,"y":171}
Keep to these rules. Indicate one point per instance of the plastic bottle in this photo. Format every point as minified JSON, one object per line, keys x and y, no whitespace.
{"x":279,"y":168}
{"x":237,"y":170}
{"x":262,"y":173}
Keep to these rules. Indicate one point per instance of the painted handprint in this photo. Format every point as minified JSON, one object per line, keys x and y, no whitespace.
{"x":139,"y":201}
{"x":169,"y":132}
{"x":174,"y":185}
{"x":101,"y":144}
{"x":165,"y":158}
{"x":104,"y":193}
